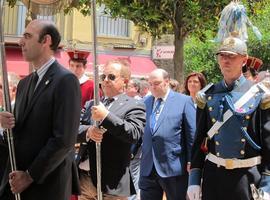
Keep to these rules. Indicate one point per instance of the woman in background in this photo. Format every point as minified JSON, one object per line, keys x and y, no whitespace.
{"x":194,"y":82}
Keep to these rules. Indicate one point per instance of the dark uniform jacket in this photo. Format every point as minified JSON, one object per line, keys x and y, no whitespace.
{"x":245,"y":135}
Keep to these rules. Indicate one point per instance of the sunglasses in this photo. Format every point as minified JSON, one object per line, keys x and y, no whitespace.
{"x":110,"y":77}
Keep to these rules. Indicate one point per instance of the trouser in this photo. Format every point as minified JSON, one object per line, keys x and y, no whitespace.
{"x":153,"y":187}
{"x":89,"y":191}
{"x":223,"y":184}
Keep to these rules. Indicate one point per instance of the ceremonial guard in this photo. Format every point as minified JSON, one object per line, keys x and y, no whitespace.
{"x":230,"y":156}
{"x":77,"y":64}
{"x":251,"y":69}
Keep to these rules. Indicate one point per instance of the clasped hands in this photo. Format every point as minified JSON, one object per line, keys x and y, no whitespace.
{"x":99,"y":113}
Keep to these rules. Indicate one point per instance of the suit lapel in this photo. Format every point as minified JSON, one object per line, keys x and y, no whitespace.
{"x":22,"y":104}
{"x":164,"y":111}
{"x":46,"y":80}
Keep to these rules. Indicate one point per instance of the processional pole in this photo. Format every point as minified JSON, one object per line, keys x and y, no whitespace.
{"x":96,"y":94}
{"x":6,"y":96}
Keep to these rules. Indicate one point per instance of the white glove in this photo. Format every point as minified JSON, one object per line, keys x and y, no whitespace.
{"x":194,"y":192}
{"x":266,"y":196}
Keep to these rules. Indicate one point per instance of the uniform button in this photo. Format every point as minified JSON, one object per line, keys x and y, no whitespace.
{"x":243,"y":140}
{"x":209,"y":98}
{"x":210,"y":109}
{"x":242,"y":152}
{"x":218,"y":154}
{"x":247,"y":117}
{"x":245,"y":128}
{"x":217,"y":143}
{"x":216,"y":132}
{"x":214,"y":120}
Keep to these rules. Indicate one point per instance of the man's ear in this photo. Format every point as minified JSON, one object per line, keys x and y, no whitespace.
{"x":47,"y":39}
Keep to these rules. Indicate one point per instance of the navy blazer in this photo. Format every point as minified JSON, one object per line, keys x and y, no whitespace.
{"x":168,"y":147}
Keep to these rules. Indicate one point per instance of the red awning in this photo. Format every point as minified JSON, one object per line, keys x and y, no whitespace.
{"x":140,"y":66}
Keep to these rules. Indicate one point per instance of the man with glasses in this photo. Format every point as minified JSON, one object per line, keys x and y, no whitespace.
{"x":122,"y":120}
{"x":232,"y":148}
{"x":167,"y":141}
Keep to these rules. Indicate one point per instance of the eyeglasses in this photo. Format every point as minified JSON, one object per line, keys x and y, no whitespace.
{"x":110,"y":77}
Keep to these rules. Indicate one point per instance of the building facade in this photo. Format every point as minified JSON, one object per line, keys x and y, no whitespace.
{"x":116,"y":38}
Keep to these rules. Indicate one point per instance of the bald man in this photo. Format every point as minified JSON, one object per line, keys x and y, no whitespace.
{"x":167,"y":140}
{"x":45,"y":121}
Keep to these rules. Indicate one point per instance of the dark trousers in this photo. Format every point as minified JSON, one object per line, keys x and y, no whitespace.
{"x":153,"y":186}
{"x":222,"y":184}
{"x":7,"y":195}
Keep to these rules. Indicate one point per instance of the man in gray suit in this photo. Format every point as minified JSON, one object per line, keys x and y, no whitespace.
{"x":122,"y":121}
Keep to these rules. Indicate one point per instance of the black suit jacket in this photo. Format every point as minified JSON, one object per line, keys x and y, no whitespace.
{"x":125,"y":124}
{"x":45,"y":133}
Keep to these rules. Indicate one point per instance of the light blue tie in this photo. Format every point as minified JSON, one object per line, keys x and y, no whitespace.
{"x":156,"y":111}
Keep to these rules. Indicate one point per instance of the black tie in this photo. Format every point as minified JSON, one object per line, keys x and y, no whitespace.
{"x":32,"y":86}
{"x":108,"y":101}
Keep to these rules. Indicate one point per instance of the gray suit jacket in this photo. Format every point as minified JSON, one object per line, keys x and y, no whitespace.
{"x":125,"y":125}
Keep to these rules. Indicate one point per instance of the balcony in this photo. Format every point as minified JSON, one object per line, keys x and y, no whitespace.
{"x":109,"y":27}
{"x":14,"y":24}
{"x":14,"y":21}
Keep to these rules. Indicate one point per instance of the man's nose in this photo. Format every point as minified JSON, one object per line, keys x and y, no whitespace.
{"x":21,"y":42}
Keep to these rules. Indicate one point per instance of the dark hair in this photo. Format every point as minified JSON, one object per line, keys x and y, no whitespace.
{"x":253,"y":72}
{"x":174,"y":85}
{"x":83,"y":61}
{"x":201,"y":78}
{"x":50,"y":29}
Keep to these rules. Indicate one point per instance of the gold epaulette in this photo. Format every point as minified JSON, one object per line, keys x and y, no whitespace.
{"x":265,"y":102}
{"x":200,"y":100}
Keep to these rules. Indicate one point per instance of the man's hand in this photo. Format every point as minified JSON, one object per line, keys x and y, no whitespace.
{"x":99,"y":112}
{"x":19,"y":181}
{"x":194,"y":192}
{"x":95,"y":134}
{"x":7,"y":120}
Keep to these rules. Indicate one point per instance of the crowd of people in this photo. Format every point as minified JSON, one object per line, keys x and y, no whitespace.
{"x":206,"y":141}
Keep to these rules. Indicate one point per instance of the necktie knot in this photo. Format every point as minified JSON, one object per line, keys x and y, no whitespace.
{"x":108,"y":101}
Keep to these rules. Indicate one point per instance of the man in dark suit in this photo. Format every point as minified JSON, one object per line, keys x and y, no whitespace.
{"x":167,"y":140}
{"x":45,"y":121}
{"x":122,"y":120}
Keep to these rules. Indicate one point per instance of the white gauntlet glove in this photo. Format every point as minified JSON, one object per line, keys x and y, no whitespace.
{"x":194,"y":192}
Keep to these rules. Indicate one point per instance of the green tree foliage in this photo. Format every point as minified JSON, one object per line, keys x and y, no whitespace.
{"x":180,"y":17}
{"x":200,"y":55}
